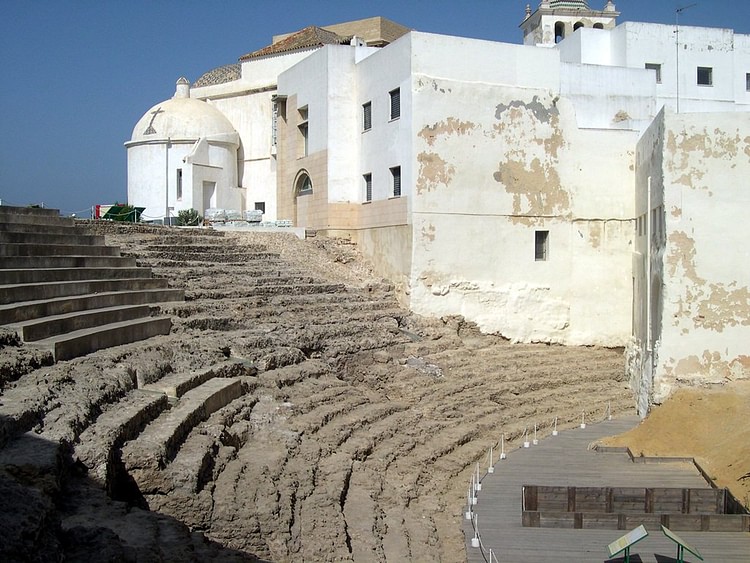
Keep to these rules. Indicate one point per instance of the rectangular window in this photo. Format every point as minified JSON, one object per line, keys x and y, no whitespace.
{"x":747,"y":81}
{"x":541,"y":240}
{"x":656,"y":68}
{"x":395,"y":103}
{"x":705,"y":76}
{"x":368,"y":186}
{"x":396,"y":174}
{"x":179,"y":184}
{"x":260,"y":206}
{"x":367,"y":116}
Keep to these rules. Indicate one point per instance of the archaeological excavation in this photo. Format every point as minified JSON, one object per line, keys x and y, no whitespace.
{"x":294,"y":409}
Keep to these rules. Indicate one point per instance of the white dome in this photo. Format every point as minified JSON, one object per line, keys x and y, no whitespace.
{"x":181,"y":118}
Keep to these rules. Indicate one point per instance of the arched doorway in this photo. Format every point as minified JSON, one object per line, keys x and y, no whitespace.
{"x":303,"y":188}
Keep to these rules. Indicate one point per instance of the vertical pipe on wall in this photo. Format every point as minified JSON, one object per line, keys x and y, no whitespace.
{"x":648,"y":270}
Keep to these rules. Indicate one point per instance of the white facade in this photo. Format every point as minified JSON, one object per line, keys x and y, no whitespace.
{"x":516,"y":184}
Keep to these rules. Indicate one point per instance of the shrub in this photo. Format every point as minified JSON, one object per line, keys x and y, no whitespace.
{"x":188,"y":218}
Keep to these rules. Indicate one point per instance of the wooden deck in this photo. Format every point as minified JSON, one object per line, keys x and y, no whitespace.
{"x":565,"y":460}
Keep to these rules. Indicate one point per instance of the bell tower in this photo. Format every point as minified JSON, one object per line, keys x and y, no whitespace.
{"x":554,"y":20}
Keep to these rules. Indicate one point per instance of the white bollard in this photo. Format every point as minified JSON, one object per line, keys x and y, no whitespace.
{"x":609,"y":410}
{"x":583,"y":419}
{"x":535,"y":441}
{"x":479,"y":481}
{"x":475,"y":539}
{"x":490,"y":467}
{"x":554,"y":429}
{"x":467,"y":514}
{"x":502,"y":447}
{"x":526,"y":443}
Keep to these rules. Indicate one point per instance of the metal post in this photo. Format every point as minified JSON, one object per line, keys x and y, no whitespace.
{"x":677,"y":13}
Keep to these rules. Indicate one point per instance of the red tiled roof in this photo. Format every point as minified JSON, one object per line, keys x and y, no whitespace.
{"x":307,"y":38}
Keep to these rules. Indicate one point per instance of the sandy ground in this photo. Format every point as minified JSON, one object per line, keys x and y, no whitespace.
{"x":711,"y":425}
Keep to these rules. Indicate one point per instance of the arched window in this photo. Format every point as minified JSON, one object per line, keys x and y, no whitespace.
{"x":559,"y":32}
{"x":303,"y":184}
{"x":598,"y":26}
{"x":577,"y":25}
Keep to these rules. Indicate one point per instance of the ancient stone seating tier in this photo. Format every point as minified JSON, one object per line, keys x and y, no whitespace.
{"x":67,"y":293}
{"x":622,"y":508}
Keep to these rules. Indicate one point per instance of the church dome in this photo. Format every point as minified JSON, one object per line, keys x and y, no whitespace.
{"x":181,"y":118}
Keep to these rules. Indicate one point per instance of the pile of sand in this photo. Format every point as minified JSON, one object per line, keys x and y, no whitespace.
{"x":711,"y":425}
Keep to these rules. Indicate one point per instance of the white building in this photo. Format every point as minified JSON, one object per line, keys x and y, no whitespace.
{"x":518,"y":185}
{"x":183,"y":155}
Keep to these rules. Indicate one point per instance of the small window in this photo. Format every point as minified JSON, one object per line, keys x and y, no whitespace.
{"x":656,"y":68}
{"x":260,"y":206}
{"x":367,"y":116}
{"x":541,"y":240}
{"x":368,"y":186}
{"x":396,"y":173}
{"x":179,"y":184}
{"x":598,"y":26}
{"x":577,"y":25}
{"x":705,"y":76}
{"x":395,"y":103}
{"x":747,"y":81}
{"x":303,"y":135}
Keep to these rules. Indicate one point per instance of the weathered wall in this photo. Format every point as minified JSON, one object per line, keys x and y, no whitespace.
{"x":497,"y":162}
{"x":647,"y":263}
{"x":705,"y":324}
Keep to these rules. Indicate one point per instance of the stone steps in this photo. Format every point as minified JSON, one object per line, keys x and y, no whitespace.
{"x":41,"y":249}
{"x":36,"y":275}
{"x":145,"y":457}
{"x":81,"y":342}
{"x":27,"y":310}
{"x":53,"y":325}
{"x":69,"y":237}
{"x":67,"y":292}
{"x":66,"y":227}
{"x":176,"y":385}
{"x":70,"y":261}
{"x":121,"y":422}
{"x":54,"y":289}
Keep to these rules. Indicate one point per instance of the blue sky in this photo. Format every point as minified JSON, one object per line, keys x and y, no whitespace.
{"x":76,"y":75}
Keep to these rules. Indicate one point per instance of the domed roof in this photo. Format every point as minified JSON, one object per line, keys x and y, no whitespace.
{"x":181,"y":117}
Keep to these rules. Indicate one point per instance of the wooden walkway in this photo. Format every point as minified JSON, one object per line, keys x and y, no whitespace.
{"x":565,"y":460}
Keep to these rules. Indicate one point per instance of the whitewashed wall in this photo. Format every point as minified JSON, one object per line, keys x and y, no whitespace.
{"x":498,"y":156}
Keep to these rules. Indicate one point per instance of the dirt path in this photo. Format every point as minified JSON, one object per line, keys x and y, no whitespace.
{"x":354,"y":440}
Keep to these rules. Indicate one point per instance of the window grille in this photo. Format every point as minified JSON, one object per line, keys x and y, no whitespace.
{"x":396,"y":173}
{"x":395,"y":103}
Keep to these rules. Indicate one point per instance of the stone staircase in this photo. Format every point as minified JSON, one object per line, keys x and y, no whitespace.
{"x":68,"y":293}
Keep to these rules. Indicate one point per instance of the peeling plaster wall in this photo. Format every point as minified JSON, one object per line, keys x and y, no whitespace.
{"x":705,"y":326}
{"x":647,"y":269}
{"x":494,"y":164}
